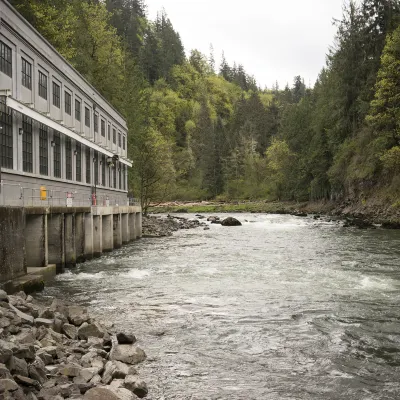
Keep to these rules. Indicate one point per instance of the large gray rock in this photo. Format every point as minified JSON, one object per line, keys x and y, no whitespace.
{"x":70,"y":370}
{"x":26,"y":351}
{"x":124,"y":338}
{"x":18,"y":366}
{"x":28,"y":382}
{"x":122,"y":393}
{"x":87,"y":330}
{"x":100,"y":394}
{"x":4,"y":372}
{"x":230,"y":221}
{"x":3,"y":296}
{"x":6,"y":351}
{"x":77,"y":315}
{"x":48,"y":323}
{"x":25,"y":318}
{"x":70,"y":331}
{"x":136,"y":385}
{"x":127,"y":353}
{"x":8,"y":385}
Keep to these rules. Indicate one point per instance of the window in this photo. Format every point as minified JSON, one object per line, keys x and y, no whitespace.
{"x":5,"y":59}
{"x":26,"y":74}
{"x":78,"y":161}
{"x":124,"y":177}
{"x":103,"y":170}
{"x":109,"y":131}
{"x":87,"y":117}
{"x":119,"y":177}
{"x":103,"y":128}
{"x":57,"y":154}
{"x":42,"y":85}
{"x":124,"y":142}
{"x":88,"y":161}
{"x":119,"y":139}
{"x":115,"y":176}
{"x":6,"y":137}
{"x":96,"y":168}
{"x":68,"y":158}
{"x":67,"y":105}
{"x":77,"y":110}
{"x":27,"y":146}
{"x":43,"y":150}
{"x":56,"y":95}
{"x":96,"y":123}
{"x":114,"y":136}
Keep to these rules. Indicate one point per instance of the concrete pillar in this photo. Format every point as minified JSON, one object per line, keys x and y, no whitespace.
{"x":80,"y":237}
{"x":117,"y":231}
{"x":132,"y":230}
{"x":69,"y":240}
{"x":125,"y":228}
{"x":12,"y":243}
{"x":97,"y":235}
{"x":56,"y":249}
{"x":108,"y":233}
{"x":36,"y":241}
{"x":88,"y":245}
{"x":138,"y":225}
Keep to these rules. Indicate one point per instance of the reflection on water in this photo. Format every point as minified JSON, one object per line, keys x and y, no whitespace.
{"x":280,"y":308}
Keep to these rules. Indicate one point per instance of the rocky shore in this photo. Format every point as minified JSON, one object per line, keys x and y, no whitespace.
{"x":159,"y":226}
{"x":58,"y":351}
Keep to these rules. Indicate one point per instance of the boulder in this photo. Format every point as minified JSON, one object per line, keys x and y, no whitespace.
{"x":127,"y":353}
{"x":124,"y":338}
{"x":87,"y":330}
{"x":25,"y":381}
{"x":100,"y":394}
{"x":4,"y":372}
{"x":18,"y":366}
{"x":122,"y":393}
{"x":70,"y":370}
{"x":3,"y":296}
{"x":136,"y":385}
{"x":212,"y":218}
{"x":77,"y":315}
{"x":6,"y":351}
{"x":70,"y":331}
{"x":230,"y":221}
{"x":25,"y":318}
{"x":8,"y":385}
{"x":26,"y":351}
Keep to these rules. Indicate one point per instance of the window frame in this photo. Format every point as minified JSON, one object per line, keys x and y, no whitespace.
{"x":6,"y":63}
{"x":27,"y":144}
{"x":87,"y":117}
{"x":57,"y":154}
{"x":42,"y":85}
{"x":68,"y":158}
{"x":26,"y":73}
{"x":78,"y":106}
{"x":88,"y":162}
{"x":43,"y":150}
{"x":56,"y":95}
{"x":68,"y":103}
{"x":78,"y":162}
{"x":6,"y":137}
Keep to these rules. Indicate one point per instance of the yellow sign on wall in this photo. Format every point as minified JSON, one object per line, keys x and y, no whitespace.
{"x":43,"y":193}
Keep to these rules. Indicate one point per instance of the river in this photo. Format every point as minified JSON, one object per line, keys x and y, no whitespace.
{"x":280,"y":308}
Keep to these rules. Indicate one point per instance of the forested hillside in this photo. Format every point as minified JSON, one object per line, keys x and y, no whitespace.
{"x":200,"y":131}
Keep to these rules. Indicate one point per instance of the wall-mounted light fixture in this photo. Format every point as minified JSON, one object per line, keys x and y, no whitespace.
{"x":53,"y":143}
{"x":101,"y":162}
{"x":75,"y":152}
{"x":20,"y":131}
{"x":94,"y":159}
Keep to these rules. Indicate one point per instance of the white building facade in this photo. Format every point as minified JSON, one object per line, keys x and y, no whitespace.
{"x":61,"y":142}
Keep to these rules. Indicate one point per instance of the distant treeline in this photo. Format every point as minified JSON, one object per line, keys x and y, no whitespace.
{"x":200,"y":131}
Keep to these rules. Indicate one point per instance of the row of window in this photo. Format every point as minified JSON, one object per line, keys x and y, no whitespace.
{"x":26,"y":77}
{"x":6,"y":153}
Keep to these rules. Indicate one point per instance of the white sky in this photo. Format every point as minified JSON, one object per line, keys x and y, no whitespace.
{"x":273,"y":39}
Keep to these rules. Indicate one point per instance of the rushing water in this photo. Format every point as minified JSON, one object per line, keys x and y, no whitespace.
{"x":280,"y":308}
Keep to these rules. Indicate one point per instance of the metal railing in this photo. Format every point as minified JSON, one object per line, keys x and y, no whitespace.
{"x":14,"y":194}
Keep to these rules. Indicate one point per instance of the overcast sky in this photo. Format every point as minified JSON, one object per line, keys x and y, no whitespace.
{"x":273,"y":39}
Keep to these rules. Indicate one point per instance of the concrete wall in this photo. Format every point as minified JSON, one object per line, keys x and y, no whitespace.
{"x":64,"y":236}
{"x":12,"y":243}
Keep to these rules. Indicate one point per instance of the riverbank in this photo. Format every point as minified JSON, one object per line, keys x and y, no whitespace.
{"x":58,"y":351}
{"x":360,"y":213}
{"x":160,"y":226}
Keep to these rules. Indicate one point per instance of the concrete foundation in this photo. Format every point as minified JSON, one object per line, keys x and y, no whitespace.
{"x":132,"y":229}
{"x":35,"y":237}
{"x":36,"y":244}
{"x":69,"y":240}
{"x":97,"y":235}
{"x":117,"y":231}
{"x":125,"y":228}
{"x":108,"y":233}
{"x":56,"y":253}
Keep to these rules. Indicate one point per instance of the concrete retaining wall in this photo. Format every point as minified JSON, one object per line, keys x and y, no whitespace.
{"x":64,"y":236}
